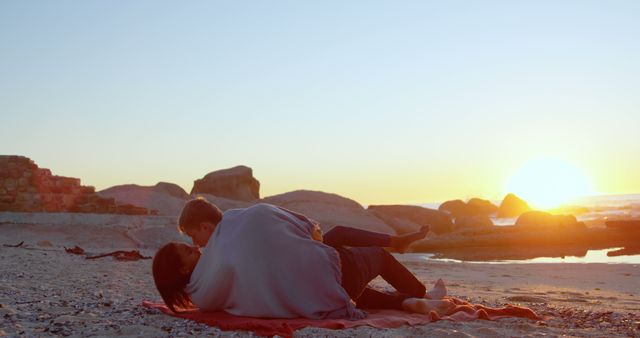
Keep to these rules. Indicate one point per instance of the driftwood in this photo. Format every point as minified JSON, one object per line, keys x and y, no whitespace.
{"x":120,"y":255}
{"x":132,"y":255}
{"x":14,"y":246}
{"x":76,"y":250}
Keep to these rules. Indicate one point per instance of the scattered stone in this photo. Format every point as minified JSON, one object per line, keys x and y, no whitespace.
{"x":45,"y":243}
{"x":527,"y":299}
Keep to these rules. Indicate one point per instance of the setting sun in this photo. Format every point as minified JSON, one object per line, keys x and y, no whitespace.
{"x":548,"y":182}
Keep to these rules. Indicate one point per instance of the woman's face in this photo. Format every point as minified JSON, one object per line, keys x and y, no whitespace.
{"x":189,"y":256}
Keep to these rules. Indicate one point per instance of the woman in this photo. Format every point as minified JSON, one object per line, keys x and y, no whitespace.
{"x":263,"y":261}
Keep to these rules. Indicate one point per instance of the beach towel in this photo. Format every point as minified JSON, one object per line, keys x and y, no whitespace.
{"x":464,"y":311}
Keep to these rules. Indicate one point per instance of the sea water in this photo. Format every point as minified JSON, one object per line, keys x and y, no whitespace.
{"x":592,"y":256}
{"x":600,"y":208}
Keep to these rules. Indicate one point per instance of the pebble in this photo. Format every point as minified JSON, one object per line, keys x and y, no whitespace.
{"x":141,"y":330}
{"x":6,"y":311}
{"x":67,"y":319}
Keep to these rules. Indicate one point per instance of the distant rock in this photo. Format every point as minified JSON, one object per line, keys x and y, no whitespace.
{"x":171,"y":189}
{"x":25,"y":187}
{"x":472,"y":222}
{"x":544,"y":219}
{"x":329,"y":210}
{"x":474,"y":207}
{"x":439,"y":221}
{"x":480,"y":207}
{"x":225,"y":204}
{"x":454,"y":207}
{"x":235,"y":183}
{"x":167,"y":198}
{"x":400,"y":225}
{"x":512,"y":206}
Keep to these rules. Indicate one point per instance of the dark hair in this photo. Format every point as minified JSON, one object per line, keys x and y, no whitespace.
{"x":169,"y":281}
{"x":197,"y":211}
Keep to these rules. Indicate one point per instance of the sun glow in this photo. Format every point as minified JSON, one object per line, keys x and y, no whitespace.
{"x":548,"y":182}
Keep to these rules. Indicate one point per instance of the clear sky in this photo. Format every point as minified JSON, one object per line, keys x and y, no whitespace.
{"x":382,"y":102}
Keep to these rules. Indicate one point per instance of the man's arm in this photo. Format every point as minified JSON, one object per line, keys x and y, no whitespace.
{"x":316,"y":232}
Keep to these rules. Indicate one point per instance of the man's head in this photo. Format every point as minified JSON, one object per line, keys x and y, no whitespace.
{"x":198,"y":220}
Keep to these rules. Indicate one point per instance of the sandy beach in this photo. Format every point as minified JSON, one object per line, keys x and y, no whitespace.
{"x":45,"y":291}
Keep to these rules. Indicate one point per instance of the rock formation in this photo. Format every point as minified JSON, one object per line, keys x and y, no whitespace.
{"x":329,"y":210}
{"x":26,"y":188}
{"x":172,"y":189}
{"x":439,"y":221}
{"x":235,"y":183}
{"x":474,"y":207}
{"x":454,"y":207}
{"x":472,"y":222}
{"x":167,"y":198}
{"x":543,"y":219}
{"x":512,"y":206}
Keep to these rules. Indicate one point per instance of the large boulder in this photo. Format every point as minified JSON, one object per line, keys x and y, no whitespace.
{"x":480,"y":207}
{"x":329,"y":210}
{"x":454,"y":207}
{"x":440,"y":222}
{"x":171,"y":189}
{"x":474,"y":207}
{"x":542,"y":219}
{"x":512,"y":206}
{"x":472,"y":222}
{"x":225,"y":204}
{"x":235,"y":183}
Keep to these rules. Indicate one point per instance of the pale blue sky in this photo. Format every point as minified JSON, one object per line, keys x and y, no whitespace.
{"x":382,"y":102}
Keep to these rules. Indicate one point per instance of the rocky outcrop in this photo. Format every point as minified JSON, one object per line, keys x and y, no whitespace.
{"x":25,"y":187}
{"x":329,"y":210}
{"x":235,"y":183}
{"x":172,"y":189}
{"x":472,"y":222}
{"x":512,"y":206}
{"x":541,"y":219}
{"x":167,"y":198}
{"x":225,"y":204}
{"x":440,"y":222}
{"x":474,"y":207}
{"x":454,"y":207}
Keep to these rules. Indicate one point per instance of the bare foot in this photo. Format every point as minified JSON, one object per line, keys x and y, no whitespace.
{"x":401,"y":243}
{"x":438,"y":291}
{"x":425,"y":306}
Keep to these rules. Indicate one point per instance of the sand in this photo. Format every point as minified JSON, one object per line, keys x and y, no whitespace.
{"x":45,"y":291}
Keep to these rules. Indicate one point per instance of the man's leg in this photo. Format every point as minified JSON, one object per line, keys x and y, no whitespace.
{"x":361,"y":265}
{"x":345,"y":236}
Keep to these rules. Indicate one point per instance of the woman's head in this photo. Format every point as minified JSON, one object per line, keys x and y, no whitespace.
{"x":172,"y":268}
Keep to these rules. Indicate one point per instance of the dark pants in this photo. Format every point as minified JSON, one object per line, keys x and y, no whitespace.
{"x":364,"y":259}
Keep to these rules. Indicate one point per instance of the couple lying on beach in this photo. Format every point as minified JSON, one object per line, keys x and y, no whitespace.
{"x":267,"y":261}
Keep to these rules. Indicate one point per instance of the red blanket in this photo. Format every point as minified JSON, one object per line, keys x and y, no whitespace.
{"x":464,"y":311}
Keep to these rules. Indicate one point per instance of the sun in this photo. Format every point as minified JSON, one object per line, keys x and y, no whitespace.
{"x":548,"y":182}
